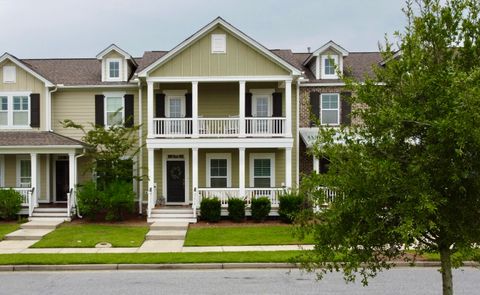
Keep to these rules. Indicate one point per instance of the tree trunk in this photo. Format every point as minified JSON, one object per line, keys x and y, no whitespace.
{"x":447,"y":281}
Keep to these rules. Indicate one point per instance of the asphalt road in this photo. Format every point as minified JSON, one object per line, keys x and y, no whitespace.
{"x":395,"y":281}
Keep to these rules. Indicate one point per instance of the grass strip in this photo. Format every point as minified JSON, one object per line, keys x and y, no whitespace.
{"x":243,"y":236}
{"x":149,"y":258}
{"x":88,"y":235}
{"x":6,"y":228}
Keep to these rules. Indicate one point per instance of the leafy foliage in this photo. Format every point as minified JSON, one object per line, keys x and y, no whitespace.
{"x":10,"y":203}
{"x":409,"y":176}
{"x":261,"y":207}
{"x":210,"y":209}
{"x":119,"y":199}
{"x":236,"y":209}
{"x":90,"y":200}
{"x":291,"y":204}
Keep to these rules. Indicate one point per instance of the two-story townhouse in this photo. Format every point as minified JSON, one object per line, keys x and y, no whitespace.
{"x":222,"y":116}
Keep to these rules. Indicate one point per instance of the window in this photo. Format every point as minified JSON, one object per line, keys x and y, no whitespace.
{"x":24,"y":172}
{"x":262,"y":167}
{"x":219,"y":170}
{"x":330,"y":113}
{"x":219,"y":43}
{"x":15,"y":110}
{"x":114,"y":110}
{"x":9,"y":74}
{"x":114,"y":69}
{"x":175,"y":107}
{"x":329,"y":66}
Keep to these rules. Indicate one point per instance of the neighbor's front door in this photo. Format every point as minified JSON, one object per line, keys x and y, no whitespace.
{"x":175,"y":181}
{"x":61,"y":180}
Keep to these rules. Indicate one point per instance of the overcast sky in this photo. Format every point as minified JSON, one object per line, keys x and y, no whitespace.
{"x":82,"y":28}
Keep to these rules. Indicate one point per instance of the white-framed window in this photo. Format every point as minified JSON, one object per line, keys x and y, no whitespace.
{"x":330,"y":108}
{"x":114,"y":109}
{"x":9,"y":74}
{"x":262,"y":102}
{"x":15,"y":110}
{"x":24,"y":171}
{"x":262,"y":170}
{"x":175,"y":103}
{"x":219,"y":170}
{"x":114,"y":69}
{"x":219,"y":43}
{"x":329,"y":66}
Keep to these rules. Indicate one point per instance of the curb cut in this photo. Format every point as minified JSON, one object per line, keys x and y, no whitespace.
{"x":190,"y":266}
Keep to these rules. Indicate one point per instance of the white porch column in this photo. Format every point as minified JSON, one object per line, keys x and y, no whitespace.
{"x":288,"y":108}
{"x":150,"y":109}
{"x":316,"y":164}
{"x":151,"y":168}
{"x":241,"y":171}
{"x":194,"y":175}
{"x":195,"y":109}
{"x":288,"y":167}
{"x":71,"y":171}
{"x":33,"y":175}
{"x":241,"y":108}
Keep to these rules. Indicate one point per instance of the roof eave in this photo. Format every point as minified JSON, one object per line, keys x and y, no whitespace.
{"x":22,"y":65}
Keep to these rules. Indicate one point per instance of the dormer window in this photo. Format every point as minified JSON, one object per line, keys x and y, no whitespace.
{"x":329,"y":65}
{"x":114,"y":69}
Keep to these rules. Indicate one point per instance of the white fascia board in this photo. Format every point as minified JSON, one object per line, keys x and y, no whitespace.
{"x":132,"y":85}
{"x":25,"y":68}
{"x":322,"y":84}
{"x":205,"y":30}
{"x":114,"y":47}
{"x":215,"y":143}
{"x":219,"y":79}
{"x":329,"y":44}
{"x":46,"y":149}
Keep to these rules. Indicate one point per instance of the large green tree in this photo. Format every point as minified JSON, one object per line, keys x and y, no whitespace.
{"x":409,"y":176}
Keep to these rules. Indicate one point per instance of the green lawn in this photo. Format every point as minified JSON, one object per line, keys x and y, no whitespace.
{"x":150,"y":258}
{"x":6,"y":228}
{"x":243,"y":236}
{"x":88,"y":235}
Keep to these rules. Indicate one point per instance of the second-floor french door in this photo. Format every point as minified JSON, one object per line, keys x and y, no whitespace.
{"x":176,"y":109}
{"x":262,"y":108}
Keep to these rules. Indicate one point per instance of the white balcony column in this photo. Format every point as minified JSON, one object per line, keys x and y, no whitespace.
{"x":241,"y":171}
{"x":194,"y":173}
{"x":33,"y":176}
{"x":150,"y":109}
{"x":195,"y":109}
{"x":288,"y":167}
{"x":316,"y":164}
{"x":241,"y":108}
{"x":288,"y":108}
{"x":72,"y":181}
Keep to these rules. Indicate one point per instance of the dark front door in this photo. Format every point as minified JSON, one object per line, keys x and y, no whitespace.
{"x":61,"y":180}
{"x":176,"y":181}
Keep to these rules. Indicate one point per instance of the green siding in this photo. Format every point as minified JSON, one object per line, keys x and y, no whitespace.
{"x":239,"y":60}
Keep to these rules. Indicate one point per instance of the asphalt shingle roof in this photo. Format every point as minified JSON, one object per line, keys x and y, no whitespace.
{"x":36,"y":138}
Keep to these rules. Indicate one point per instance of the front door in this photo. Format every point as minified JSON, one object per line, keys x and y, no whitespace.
{"x":175,"y":181}
{"x":61,"y":180}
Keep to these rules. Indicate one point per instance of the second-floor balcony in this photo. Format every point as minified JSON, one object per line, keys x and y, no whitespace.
{"x":219,"y":127}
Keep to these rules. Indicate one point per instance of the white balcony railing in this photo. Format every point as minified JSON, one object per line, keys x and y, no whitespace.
{"x":24,"y":191}
{"x":223,"y":194}
{"x":219,"y":127}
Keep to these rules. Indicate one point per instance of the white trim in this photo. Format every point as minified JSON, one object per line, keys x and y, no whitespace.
{"x":321,"y":84}
{"x":114,"y":47}
{"x":11,"y":111}
{"x":61,"y":86}
{"x":171,"y":94}
{"x":328,"y":45}
{"x":220,"y":79}
{"x":271,"y":157}
{"x":186,"y":159}
{"x":120,"y":69}
{"x":297,"y":136}
{"x":223,"y":46}
{"x":2,"y":171}
{"x":322,"y":66}
{"x":55,"y":160}
{"x":219,"y":156}
{"x":261,"y":94}
{"x":337,"y":109}
{"x":215,"y":143}
{"x":204,"y":31}
{"x":18,"y":167}
{"x":46,"y":149}
{"x":106,"y":96}
{"x":9,"y":71}
{"x":25,"y":68}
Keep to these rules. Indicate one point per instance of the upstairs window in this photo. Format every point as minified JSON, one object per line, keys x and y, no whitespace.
{"x":329,"y":66}
{"x":330,"y":112}
{"x":219,"y":43}
{"x":9,"y":74}
{"x":114,"y":112}
{"x":3,"y":110}
{"x":15,"y":110}
{"x":20,"y":110}
{"x":114,"y":69}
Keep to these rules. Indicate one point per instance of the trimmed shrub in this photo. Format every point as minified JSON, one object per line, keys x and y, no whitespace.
{"x":90,"y":200}
{"x":236,"y":209}
{"x":261,"y":207}
{"x":210,"y":209}
{"x":120,"y":199}
{"x":290,"y":205}
{"x":10,"y":203}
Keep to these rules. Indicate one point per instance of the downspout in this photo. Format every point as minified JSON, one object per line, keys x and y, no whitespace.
{"x":297,"y":168}
{"x":76,"y":180}
{"x":49,"y":108}
{"x":140,"y":154}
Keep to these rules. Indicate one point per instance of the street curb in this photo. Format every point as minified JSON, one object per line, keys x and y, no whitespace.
{"x":190,"y":266}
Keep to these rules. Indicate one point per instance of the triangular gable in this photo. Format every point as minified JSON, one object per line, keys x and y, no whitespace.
{"x":117,"y":49}
{"x":329,"y":45}
{"x":229,"y":28}
{"x":26,"y":68}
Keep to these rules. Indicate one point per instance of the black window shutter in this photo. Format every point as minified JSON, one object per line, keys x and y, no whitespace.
{"x":188,"y":105}
{"x":99,"y":110}
{"x":315,"y":107}
{"x":346,"y":108}
{"x":277,"y":104}
{"x":35,"y":110}
{"x":248,"y":104}
{"x":129,"y":119}
{"x":160,"y":105}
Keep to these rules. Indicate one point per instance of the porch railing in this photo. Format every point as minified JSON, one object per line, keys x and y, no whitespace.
{"x":223,"y":194}
{"x":219,"y":127}
{"x":24,"y":192}
{"x":329,"y":195}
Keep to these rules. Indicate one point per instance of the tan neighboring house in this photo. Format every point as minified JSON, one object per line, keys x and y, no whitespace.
{"x":222,"y":116}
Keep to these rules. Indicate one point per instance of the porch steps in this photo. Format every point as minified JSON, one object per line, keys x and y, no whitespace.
{"x":50,"y":214}
{"x":172,"y":215}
